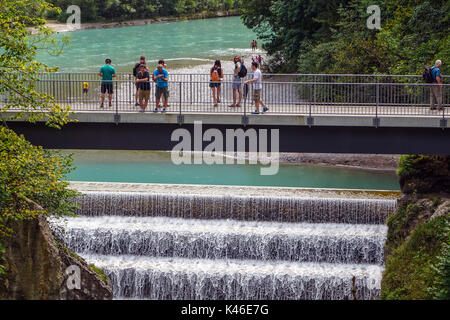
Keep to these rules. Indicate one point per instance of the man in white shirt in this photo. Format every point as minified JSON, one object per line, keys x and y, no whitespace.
{"x":257,"y":88}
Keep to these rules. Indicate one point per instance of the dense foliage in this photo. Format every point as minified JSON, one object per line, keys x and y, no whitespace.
{"x":30,"y":178}
{"x":331,"y":36}
{"x":31,"y":181}
{"x":417,"y":246}
{"x":19,"y":70}
{"x":441,"y":288}
{"x":424,"y":174}
{"x":118,"y":10}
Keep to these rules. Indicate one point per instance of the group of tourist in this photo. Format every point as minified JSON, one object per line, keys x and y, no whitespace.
{"x":257,"y":59}
{"x":160,"y":76}
{"x":254,"y":45}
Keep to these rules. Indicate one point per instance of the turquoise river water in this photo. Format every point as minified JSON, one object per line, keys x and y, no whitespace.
{"x":156,"y":167}
{"x":181,"y":44}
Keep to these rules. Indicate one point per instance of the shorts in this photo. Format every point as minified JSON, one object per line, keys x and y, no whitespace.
{"x":215,"y":84}
{"x":144,"y":95}
{"x":107,"y":87}
{"x":85,"y":90}
{"x":257,"y":95}
{"x":162,"y":91}
{"x":237,"y":84}
{"x":137,"y":86}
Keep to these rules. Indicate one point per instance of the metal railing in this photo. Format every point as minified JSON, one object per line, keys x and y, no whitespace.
{"x":282,"y":97}
{"x":199,"y":77}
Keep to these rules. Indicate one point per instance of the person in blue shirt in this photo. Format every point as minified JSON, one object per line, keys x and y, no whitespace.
{"x":161,"y":77}
{"x":436,"y":88}
{"x":107,"y":72}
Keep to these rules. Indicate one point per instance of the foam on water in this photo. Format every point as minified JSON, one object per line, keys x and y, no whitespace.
{"x":218,"y":239}
{"x":233,"y":245}
{"x":162,"y":278}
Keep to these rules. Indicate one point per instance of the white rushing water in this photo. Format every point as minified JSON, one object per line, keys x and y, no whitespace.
{"x":181,"y":246}
{"x":261,"y":208}
{"x":163,"y":278}
{"x":219,"y":239}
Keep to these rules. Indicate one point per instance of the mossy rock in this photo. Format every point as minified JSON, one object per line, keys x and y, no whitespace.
{"x":424,"y":174}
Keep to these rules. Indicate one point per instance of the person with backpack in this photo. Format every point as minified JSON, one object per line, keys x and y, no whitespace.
{"x":136,"y":70}
{"x":433,"y":76}
{"x":240,"y":71}
{"x":216,"y":77}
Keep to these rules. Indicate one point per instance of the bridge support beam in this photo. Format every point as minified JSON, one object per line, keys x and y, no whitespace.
{"x":320,"y":139}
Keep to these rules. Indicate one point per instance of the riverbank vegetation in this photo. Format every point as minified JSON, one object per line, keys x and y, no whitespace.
{"x":32,"y":185}
{"x":30,"y":177}
{"x":121,"y":10}
{"x":417,"y":247}
{"x":314,"y":36}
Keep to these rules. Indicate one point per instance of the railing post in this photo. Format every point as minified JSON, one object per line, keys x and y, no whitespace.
{"x":376,"y":121}
{"x":54,"y":90}
{"x":310,"y":120}
{"x":190,"y":89}
{"x":116,"y":115}
{"x":130,"y":91}
{"x":70,"y":90}
{"x":180,"y":116}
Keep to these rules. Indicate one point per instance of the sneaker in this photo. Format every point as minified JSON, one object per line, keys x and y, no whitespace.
{"x":156,"y":110}
{"x":110,"y":105}
{"x":218,"y":100}
{"x":141,"y":110}
{"x":255,"y":112}
{"x":163,"y":110}
{"x":232,"y":106}
{"x":137,"y":104}
{"x":216,"y":105}
{"x":238,"y":106}
{"x":101,"y":106}
{"x":265,"y":110}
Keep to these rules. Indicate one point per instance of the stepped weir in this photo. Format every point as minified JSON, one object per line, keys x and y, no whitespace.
{"x":192,"y":246}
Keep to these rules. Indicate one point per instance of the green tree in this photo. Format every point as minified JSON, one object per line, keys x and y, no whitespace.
{"x":19,"y":71}
{"x":31,"y":178}
{"x":316,"y":36}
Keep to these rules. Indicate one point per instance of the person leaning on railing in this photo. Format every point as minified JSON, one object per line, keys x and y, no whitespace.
{"x":161,"y":77}
{"x":436,"y":87}
{"x":143,"y":85}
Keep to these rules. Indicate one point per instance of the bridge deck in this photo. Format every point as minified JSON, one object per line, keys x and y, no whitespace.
{"x":298,"y":109}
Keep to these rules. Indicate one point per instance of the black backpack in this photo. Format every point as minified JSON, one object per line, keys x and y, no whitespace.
{"x":136,"y":69}
{"x":243,"y":71}
{"x":427,"y":76}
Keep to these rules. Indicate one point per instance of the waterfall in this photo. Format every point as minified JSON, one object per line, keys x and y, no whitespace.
{"x":157,"y":246}
{"x":263,"y":208}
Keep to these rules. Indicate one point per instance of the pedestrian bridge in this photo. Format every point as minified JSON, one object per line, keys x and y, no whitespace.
{"x":312,"y":113}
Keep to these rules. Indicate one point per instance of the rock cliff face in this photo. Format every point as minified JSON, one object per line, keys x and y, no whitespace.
{"x":39,"y":267}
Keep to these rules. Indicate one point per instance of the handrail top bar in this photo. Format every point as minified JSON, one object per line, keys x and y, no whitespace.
{"x":265,"y":82}
{"x":276,"y":74}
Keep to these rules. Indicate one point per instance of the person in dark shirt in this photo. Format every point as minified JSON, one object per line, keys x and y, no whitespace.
{"x":136,"y":70}
{"x":143,"y":85}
